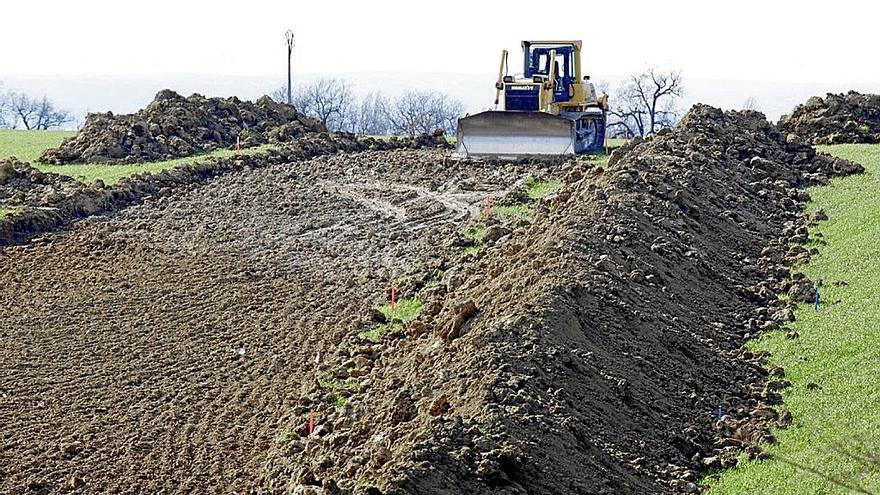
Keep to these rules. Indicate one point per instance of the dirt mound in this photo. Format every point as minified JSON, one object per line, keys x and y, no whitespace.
{"x":172,"y":126}
{"x":843,"y":118}
{"x":590,"y":351}
{"x":23,"y":186}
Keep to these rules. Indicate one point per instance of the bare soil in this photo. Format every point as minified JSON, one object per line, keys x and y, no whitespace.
{"x":156,"y":349}
{"x":23,"y":186}
{"x":589,"y":351}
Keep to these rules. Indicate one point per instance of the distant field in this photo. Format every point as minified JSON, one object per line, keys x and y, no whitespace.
{"x":28,"y":145}
{"x":836,"y":430}
{"x":111,"y":174}
{"x":616,"y":143}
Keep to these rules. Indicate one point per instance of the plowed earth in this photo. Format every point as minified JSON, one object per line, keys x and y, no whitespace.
{"x":155,"y":350}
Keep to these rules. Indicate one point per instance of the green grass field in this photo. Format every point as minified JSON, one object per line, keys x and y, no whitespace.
{"x":29,"y":145}
{"x":835,"y":437}
{"x":536,"y":189}
{"x":111,"y":174}
{"x":616,"y":143}
{"x":405,"y":311}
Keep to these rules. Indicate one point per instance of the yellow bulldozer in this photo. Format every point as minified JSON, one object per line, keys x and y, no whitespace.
{"x":549,"y":109}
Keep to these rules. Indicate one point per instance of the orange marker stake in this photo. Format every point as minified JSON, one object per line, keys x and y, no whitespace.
{"x":393,"y":299}
{"x":311,"y":423}
{"x":488,"y":210}
{"x":238,"y":145}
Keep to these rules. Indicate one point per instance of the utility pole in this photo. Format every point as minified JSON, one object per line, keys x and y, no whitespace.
{"x":289,"y":36}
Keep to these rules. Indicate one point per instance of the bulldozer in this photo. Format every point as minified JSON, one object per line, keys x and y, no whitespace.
{"x":549,"y":109}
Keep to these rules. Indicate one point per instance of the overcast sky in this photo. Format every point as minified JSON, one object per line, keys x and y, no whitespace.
{"x":766,"y":40}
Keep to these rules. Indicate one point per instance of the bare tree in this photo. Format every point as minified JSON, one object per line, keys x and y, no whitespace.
{"x":370,"y":117}
{"x":5,"y":120}
{"x":450,"y":110}
{"x":751,"y":103}
{"x":48,"y":117}
{"x":21,"y":108}
{"x":279,"y":94}
{"x":646,"y":102}
{"x":414,"y":112}
{"x":423,"y":112}
{"x":328,"y":100}
{"x":627,"y":117}
{"x":34,"y":113}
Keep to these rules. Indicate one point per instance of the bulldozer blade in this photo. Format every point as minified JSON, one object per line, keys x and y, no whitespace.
{"x":512,"y":135}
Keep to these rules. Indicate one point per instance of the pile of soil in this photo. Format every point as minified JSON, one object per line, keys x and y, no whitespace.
{"x":23,"y":186}
{"x":843,"y":118}
{"x":172,"y":126}
{"x":597,"y":349}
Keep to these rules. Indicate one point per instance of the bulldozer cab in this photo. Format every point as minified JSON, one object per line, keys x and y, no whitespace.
{"x":537,"y":66}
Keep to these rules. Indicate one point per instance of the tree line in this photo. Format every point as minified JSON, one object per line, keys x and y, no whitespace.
{"x":641,"y":105}
{"x":21,"y":111}
{"x":332,"y":101}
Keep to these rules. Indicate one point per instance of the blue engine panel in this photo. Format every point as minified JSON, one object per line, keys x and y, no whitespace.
{"x":521,"y":97}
